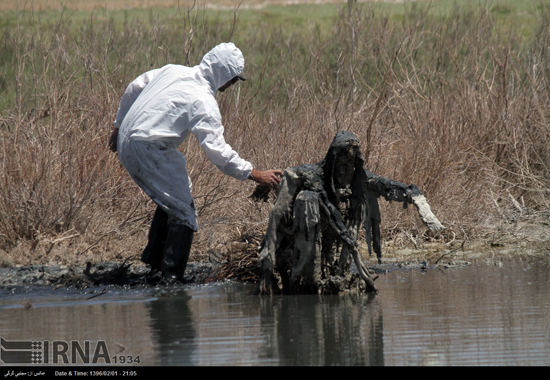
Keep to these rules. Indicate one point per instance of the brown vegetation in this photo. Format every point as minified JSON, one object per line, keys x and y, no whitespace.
{"x":450,"y":104}
{"x":147,"y":4}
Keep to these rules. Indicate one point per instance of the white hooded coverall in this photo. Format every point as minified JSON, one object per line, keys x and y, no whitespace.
{"x":157,"y":112}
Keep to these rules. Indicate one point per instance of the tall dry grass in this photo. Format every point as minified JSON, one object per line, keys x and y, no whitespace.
{"x":450,"y":102}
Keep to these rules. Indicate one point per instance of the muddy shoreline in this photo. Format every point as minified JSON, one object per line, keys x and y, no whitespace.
{"x":531,"y":241}
{"x":136,"y":275}
{"x":116,"y":274}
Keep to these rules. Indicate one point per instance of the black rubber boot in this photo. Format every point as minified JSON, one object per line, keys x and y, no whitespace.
{"x":152,"y":254}
{"x":176,"y":253}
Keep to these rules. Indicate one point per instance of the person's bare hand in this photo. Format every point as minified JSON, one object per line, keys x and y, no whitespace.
{"x":113,"y":140}
{"x":269,"y":178}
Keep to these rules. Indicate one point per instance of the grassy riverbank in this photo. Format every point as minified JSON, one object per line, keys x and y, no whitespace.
{"x":450,"y":96}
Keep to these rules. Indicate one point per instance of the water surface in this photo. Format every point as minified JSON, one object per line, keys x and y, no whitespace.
{"x":488,"y":313}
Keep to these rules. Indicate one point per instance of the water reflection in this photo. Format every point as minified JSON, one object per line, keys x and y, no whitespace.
{"x":172,"y":324}
{"x":335,"y":330}
{"x":230,"y":325}
{"x":484,"y":314}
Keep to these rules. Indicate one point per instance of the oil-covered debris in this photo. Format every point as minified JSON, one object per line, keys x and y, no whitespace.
{"x":311,"y":239}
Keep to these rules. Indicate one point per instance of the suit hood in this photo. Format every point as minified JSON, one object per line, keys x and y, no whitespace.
{"x":221,"y":64}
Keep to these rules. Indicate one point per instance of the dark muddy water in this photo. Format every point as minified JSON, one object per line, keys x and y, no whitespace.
{"x":489,"y":313}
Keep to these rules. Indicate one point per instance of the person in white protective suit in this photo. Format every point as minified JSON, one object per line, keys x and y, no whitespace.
{"x":156,"y":113}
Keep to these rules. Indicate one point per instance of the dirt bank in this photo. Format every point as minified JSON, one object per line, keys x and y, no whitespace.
{"x":135,"y":274}
{"x":530,"y":238}
{"x":125,"y":275}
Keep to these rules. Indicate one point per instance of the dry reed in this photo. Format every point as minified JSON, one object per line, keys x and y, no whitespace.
{"x":450,"y":103}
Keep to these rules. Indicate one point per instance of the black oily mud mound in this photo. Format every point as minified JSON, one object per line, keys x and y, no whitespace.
{"x":139,"y":275}
{"x":103,"y":274}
